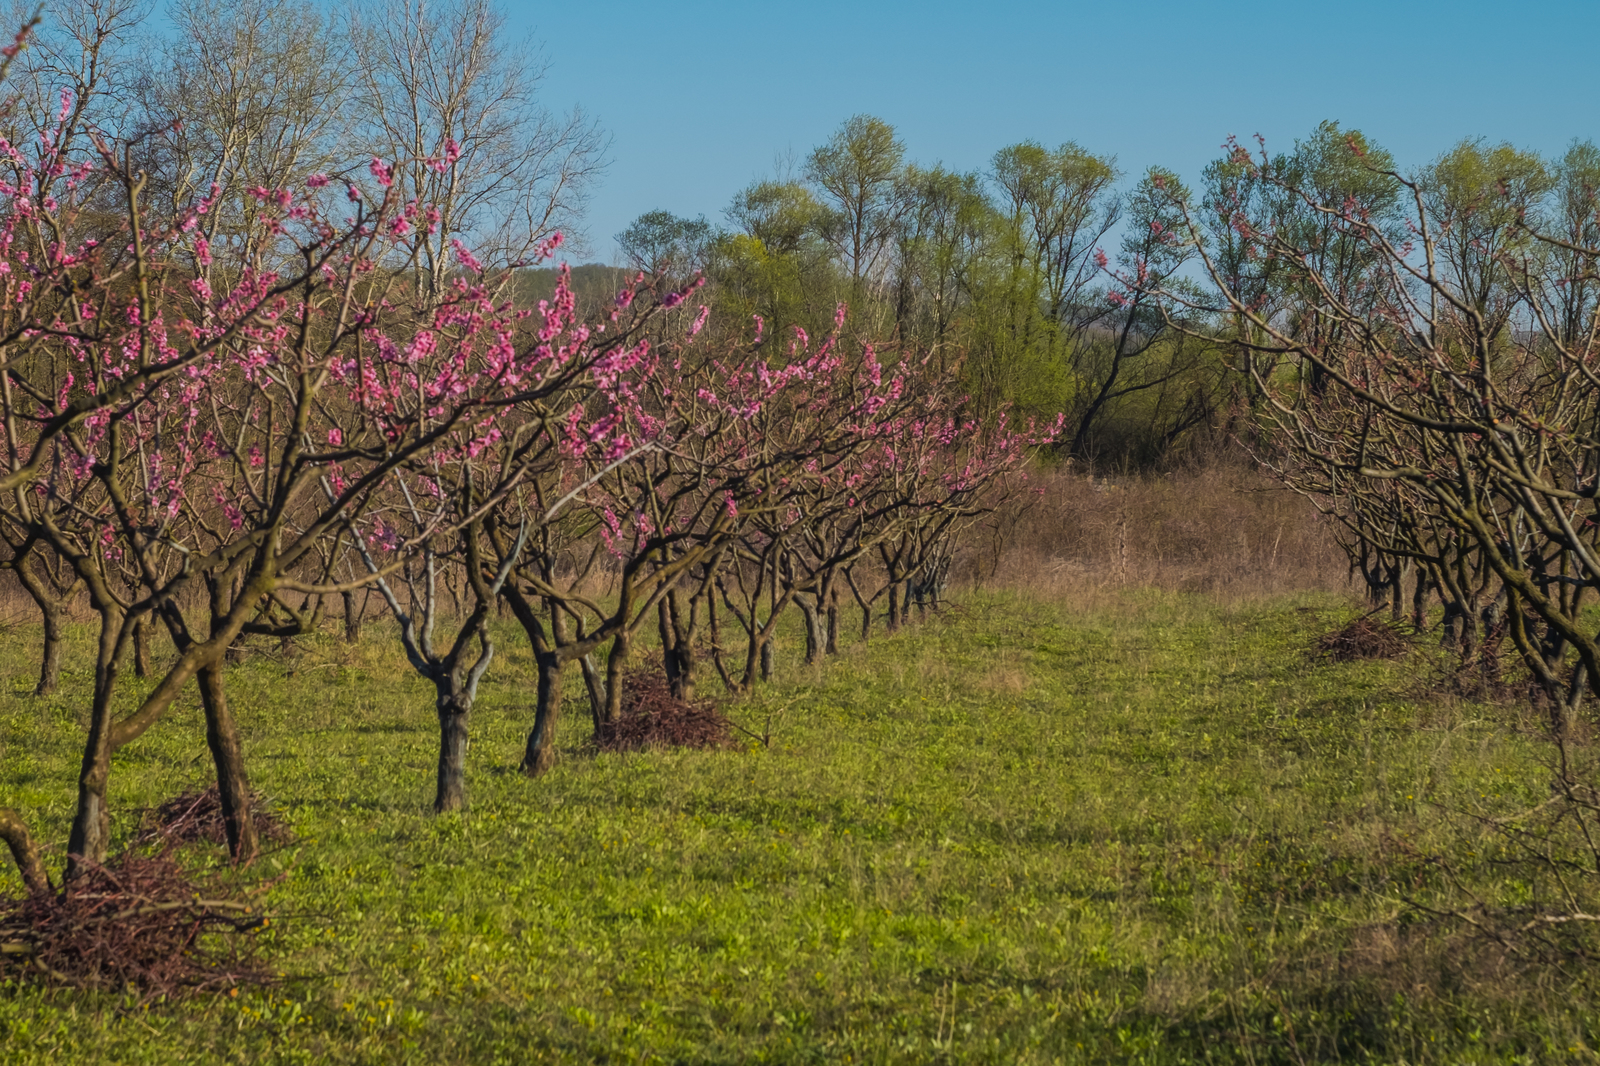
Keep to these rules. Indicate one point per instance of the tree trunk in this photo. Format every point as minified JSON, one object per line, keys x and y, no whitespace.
{"x":233,"y":784}
{"x":1450,"y":625}
{"x":814,"y":638}
{"x":141,"y":648}
{"x":15,"y":833}
{"x":679,"y":662}
{"x":767,"y":657}
{"x":833,"y":626}
{"x":614,"y":666}
{"x":1420,"y":598}
{"x":352,"y":618}
{"x":1572,"y":703}
{"x":453,"y":708}
{"x":895,"y":614}
{"x":677,"y":646}
{"x":91,"y":821}
{"x":596,"y":684}
{"x":540,"y":754}
{"x":50,"y":668}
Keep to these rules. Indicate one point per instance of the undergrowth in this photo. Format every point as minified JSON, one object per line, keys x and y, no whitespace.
{"x":1023,"y":832}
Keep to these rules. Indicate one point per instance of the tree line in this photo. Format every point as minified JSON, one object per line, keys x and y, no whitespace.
{"x":1013,"y":274}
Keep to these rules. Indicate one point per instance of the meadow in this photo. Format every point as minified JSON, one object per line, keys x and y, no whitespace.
{"x":1144,"y":828}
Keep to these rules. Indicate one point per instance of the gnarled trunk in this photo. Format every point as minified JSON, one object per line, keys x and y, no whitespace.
{"x":50,"y":666}
{"x":91,"y":822}
{"x":352,"y":618}
{"x":540,"y":753}
{"x":676,"y":625}
{"x":233,"y":783}
{"x":453,"y":706}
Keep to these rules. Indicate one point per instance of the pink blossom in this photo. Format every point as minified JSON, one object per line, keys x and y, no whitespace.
{"x":547,"y":248}
{"x":465,"y":257}
{"x":700,"y":320}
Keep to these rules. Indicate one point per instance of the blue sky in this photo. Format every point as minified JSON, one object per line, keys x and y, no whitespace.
{"x":701,"y":97}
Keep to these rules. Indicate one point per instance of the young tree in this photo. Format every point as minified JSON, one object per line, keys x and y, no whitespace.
{"x":1451,"y":378}
{"x":523,"y":402}
{"x":858,"y":172}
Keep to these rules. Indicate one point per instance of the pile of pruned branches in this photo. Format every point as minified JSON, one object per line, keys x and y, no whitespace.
{"x":652,"y":717}
{"x":1364,"y":638}
{"x":196,"y":816}
{"x":139,"y":922}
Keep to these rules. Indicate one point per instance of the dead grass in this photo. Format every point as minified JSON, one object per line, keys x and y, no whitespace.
{"x":1222,"y":529}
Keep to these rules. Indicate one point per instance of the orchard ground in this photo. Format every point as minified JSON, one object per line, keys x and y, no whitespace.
{"x":1139,"y":827}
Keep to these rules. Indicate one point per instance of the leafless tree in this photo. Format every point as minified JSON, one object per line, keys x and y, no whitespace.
{"x":243,"y":95}
{"x":441,"y":82}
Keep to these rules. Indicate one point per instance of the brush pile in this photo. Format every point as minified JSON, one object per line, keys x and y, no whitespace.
{"x":192,"y":817}
{"x":1365,"y":638}
{"x":138,"y":922}
{"x":652,"y":717}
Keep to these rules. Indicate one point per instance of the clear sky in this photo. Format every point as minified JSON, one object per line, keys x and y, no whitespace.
{"x":701,"y":97}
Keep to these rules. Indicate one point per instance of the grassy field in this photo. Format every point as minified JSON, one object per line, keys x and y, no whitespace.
{"x":1152,"y":830}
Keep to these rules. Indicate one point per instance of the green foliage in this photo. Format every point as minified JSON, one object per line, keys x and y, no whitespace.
{"x":775,"y":265}
{"x":659,"y":242}
{"x":1575,"y":221}
{"x":995,"y":273}
{"x":1149,"y":831}
{"x":858,"y":170}
{"x":1473,"y":194}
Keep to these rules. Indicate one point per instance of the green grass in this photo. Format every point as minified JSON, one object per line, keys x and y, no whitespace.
{"x":1018,"y":833}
